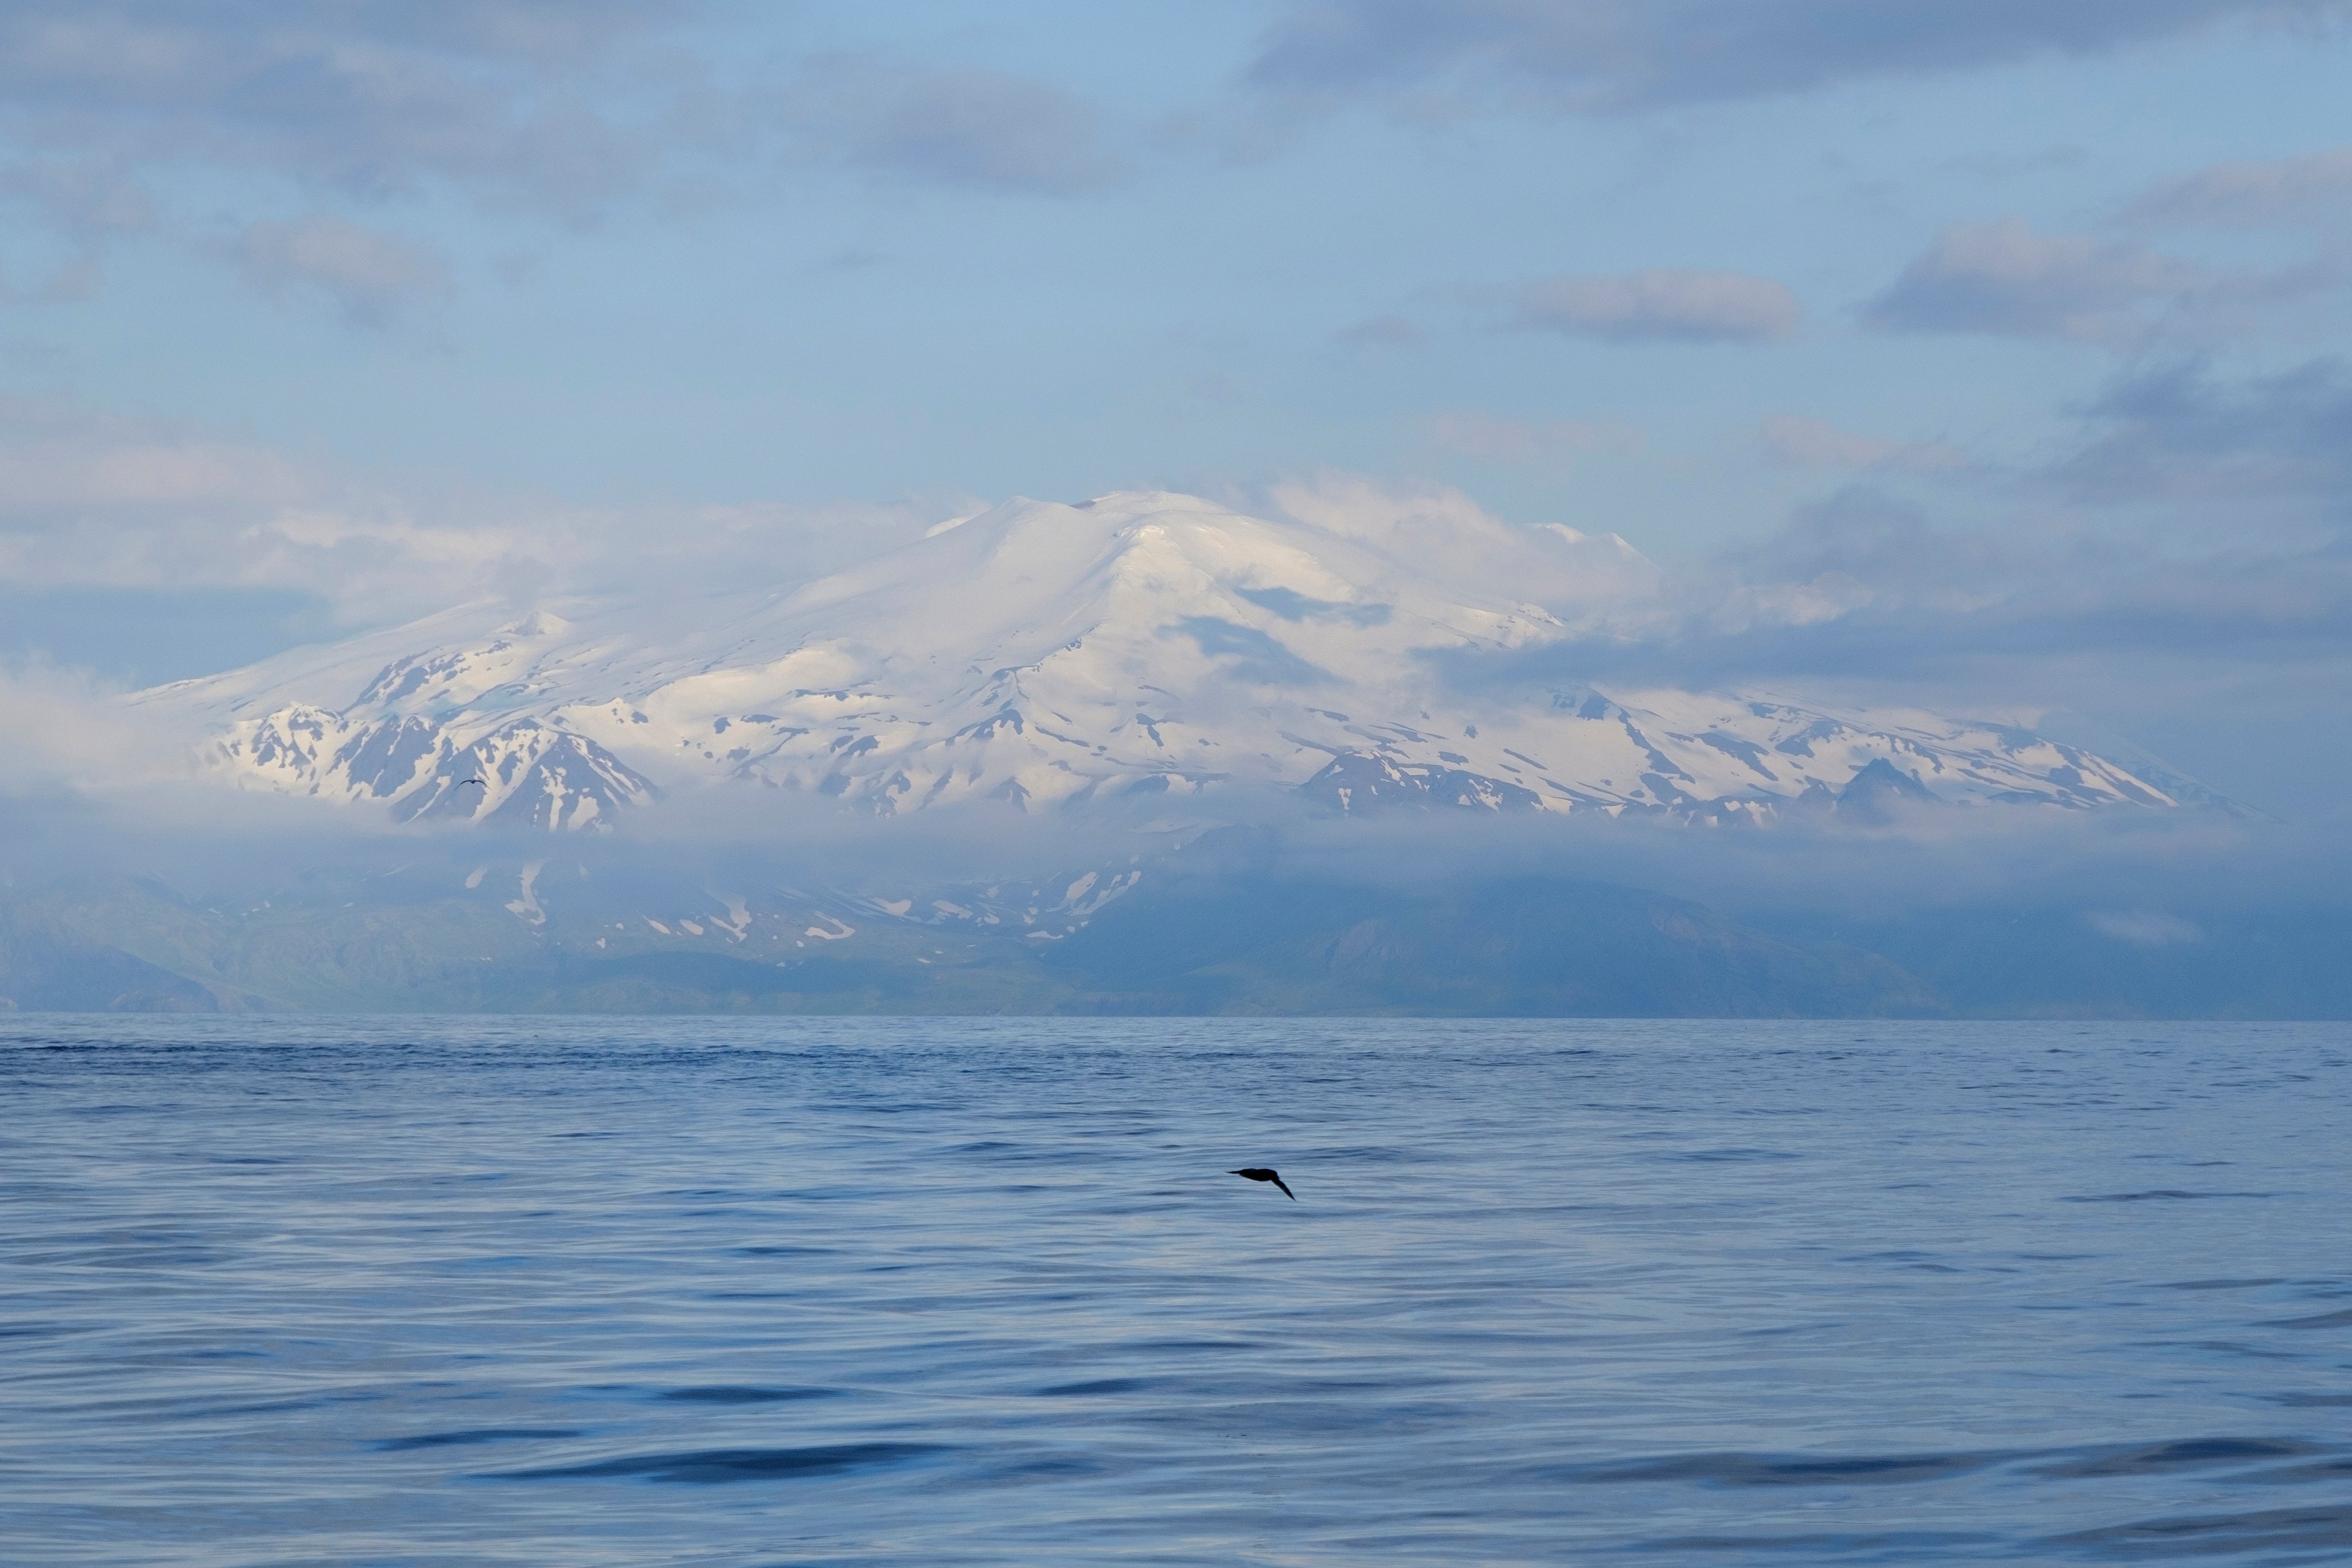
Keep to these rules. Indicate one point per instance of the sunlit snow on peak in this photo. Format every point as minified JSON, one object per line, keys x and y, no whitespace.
{"x":1054,"y":656}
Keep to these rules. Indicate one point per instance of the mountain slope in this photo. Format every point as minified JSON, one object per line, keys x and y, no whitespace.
{"x":1136,"y":649}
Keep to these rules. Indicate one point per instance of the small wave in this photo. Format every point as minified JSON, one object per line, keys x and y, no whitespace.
{"x":2220,"y":1534}
{"x":1921,"y":1262}
{"x":2323,"y":1321}
{"x":1736,"y":1470}
{"x":1099,"y":1386}
{"x":706,"y":1467}
{"x":2162,"y":1459}
{"x":2220,"y":1284}
{"x":473,"y":1435}
{"x":2164,"y":1193}
{"x":1749,"y":1470}
{"x":783,"y":1251}
{"x":1818,"y":1546}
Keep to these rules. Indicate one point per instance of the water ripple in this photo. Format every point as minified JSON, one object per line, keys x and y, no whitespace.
{"x":476,"y":1293}
{"x":711,"y":1465}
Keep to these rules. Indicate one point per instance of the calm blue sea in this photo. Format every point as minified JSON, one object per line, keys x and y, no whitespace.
{"x":553,"y":1292}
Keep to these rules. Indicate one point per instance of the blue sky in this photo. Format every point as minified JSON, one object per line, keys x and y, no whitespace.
{"x":2026,"y":319}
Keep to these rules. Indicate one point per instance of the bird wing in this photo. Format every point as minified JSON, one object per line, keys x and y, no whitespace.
{"x":1284,"y":1185}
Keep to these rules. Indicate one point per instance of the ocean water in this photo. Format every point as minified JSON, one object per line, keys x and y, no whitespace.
{"x":634,"y":1292}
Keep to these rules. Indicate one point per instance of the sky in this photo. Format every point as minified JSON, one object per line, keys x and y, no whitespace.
{"x":1992,"y":353}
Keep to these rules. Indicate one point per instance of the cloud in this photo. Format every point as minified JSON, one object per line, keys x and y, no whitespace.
{"x":114,"y":113}
{"x":369,"y":273}
{"x":1256,"y":657}
{"x":2235,"y":665}
{"x":2176,"y":564}
{"x":1861,"y":548}
{"x":90,"y":500}
{"x":89,"y":203}
{"x":2270,"y":450}
{"x":61,"y":467}
{"x":1385,"y":331}
{"x":2277,"y":192}
{"x":85,"y":201}
{"x":2185,"y":521}
{"x":955,"y":127}
{"x":63,"y":732}
{"x":365,"y":97}
{"x":2005,"y":279}
{"x":1661,"y":304}
{"x":2143,"y":927}
{"x":1440,"y":534}
{"x":1544,"y":443}
{"x":1806,"y":443}
{"x":1614,"y":56}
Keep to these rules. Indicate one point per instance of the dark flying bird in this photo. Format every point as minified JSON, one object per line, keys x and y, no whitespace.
{"x":484,"y":783}
{"x":1260,"y":1173}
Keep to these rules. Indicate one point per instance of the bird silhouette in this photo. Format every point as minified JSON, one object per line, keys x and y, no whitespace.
{"x":1261,"y":1173}
{"x":483,"y":782}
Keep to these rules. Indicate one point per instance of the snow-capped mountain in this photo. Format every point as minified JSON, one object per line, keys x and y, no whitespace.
{"x":1133,"y":648}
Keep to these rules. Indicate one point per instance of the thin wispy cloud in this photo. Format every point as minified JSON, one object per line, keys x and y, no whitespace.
{"x":86,"y":201}
{"x":369,"y":274}
{"x":114,"y":113}
{"x":1805,"y":442}
{"x":371,"y":100}
{"x":1553,"y":443}
{"x":2145,"y":928}
{"x":91,"y":500}
{"x":1614,"y":56}
{"x":988,"y":129}
{"x":1449,"y":538}
{"x":2277,"y":192}
{"x":2007,"y":279}
{"x":1386,"y":330}
{"x":1660,"y":303}
{"x":2272,"y":450}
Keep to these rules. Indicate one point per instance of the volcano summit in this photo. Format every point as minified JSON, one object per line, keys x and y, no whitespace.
{"x":1135,"y":649}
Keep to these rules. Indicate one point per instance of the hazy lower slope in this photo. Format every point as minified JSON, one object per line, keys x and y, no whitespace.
{"x":1218,"y":927}
{"x":1202,"y":945}
{"x":50,"y":963}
